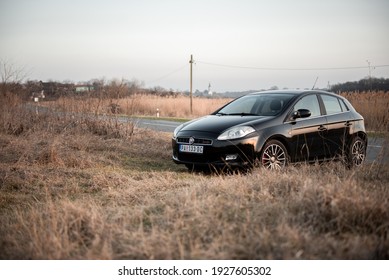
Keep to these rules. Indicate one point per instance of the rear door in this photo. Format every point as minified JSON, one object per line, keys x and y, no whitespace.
{"x":338,"y":123}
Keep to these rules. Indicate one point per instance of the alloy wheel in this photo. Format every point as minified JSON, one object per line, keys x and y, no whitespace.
{"x":358,"y":152}
{"x":274,"y":156}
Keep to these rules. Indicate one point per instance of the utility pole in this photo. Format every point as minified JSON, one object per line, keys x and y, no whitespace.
{"x":191,"y":82}
{"x":368,"y":65}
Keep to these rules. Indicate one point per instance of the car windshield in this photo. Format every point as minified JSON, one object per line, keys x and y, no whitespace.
{"x":256,"y":105}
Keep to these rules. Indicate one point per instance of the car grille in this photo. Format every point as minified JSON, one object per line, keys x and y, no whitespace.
{"x":185,"y":140}
{"x":207,"y":157}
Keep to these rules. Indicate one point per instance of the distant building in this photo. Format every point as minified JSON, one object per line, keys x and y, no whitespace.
{"x":84,"y":88}
{"x":36,"y":96}
{"x":209,"y":89}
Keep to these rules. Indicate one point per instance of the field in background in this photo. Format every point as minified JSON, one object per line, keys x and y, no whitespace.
{"x":142,"y":105}
{"x":73,"y":187}
{"x":374,"y":106}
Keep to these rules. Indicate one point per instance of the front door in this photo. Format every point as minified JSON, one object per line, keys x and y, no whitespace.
{"x":308,"y":134}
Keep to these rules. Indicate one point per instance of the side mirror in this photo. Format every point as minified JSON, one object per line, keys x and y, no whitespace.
{"x":301,"y":113}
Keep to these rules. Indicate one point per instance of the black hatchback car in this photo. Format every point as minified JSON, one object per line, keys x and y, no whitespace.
{"x":272,"y":129}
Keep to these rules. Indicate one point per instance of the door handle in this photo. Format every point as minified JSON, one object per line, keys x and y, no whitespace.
{"x":348,"y":124}
{"x":322,"y":128}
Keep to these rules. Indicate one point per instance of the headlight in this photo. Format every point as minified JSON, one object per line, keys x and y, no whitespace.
{"x":236,"y":132}
{"x":178,"y":128}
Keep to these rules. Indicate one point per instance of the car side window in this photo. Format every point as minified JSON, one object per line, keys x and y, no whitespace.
{"x":344,"y":106}
{"x":331,"y":103}
{"x":309,"y":102}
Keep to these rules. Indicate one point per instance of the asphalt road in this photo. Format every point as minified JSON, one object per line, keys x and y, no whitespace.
{"x":158,"y":125}
{"x":377,"y":150}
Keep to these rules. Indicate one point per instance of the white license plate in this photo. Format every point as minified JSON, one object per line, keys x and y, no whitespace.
{"x":191,"y":149}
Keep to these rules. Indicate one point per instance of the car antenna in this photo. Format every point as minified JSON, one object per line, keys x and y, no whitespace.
{"x":315,"y":83}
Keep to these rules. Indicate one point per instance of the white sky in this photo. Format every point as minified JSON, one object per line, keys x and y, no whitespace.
{"x":151,"y":41}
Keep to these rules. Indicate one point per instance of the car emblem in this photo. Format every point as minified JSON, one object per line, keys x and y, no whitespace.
{"x":191,"y":140}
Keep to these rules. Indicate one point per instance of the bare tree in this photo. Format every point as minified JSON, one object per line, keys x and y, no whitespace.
{"x":10,"y":76}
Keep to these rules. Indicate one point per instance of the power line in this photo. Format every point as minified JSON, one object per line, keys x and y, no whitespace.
{"x":290,"y":69}
{"x":169,"y":74}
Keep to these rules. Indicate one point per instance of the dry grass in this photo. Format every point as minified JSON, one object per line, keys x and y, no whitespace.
{"x":171,"y":106}
{"x":373,"y":106}
{"x":73,"y":188}
{"x":143,"y":105}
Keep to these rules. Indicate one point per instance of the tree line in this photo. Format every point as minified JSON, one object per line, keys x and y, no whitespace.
{"x":365,"y":84}
{"x":95,"y":88}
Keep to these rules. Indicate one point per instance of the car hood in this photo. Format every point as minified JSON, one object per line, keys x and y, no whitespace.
{"x":218,"y":124}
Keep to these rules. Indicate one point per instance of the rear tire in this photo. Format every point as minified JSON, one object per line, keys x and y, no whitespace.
{"x":274,"y":155}
{"x":356,"y":153}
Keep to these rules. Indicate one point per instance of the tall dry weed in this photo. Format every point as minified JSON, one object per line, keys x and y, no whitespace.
{"x":373,"y":106}
{"x":179,"y":106}
{"x":59,"y":230}
{"x":143,"y":105}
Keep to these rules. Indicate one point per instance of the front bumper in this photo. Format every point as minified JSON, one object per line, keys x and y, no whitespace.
{"x":238,"y":152}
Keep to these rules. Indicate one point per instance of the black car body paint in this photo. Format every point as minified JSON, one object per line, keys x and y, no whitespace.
{"x":309,"y":125}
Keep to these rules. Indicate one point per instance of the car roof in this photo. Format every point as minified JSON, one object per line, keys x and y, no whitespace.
{"x":294,"y":92}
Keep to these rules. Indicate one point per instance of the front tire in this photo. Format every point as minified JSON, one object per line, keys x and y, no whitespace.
{"x":274,"y":155}
{"x":356,"y":153}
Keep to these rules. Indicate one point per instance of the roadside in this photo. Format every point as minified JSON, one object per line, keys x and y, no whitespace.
{"x":153,"y":124}
{"x":377,"y":150}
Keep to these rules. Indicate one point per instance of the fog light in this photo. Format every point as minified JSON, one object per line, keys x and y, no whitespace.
{"x":231,"y":157}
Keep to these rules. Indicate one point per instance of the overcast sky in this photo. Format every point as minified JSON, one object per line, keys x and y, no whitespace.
{"x":237,"y":45}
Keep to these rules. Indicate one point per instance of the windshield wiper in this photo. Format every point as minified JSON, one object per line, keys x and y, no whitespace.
{"x":242,"y":114}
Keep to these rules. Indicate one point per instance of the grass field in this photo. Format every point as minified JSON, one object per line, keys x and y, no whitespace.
{"x":77,"y":188}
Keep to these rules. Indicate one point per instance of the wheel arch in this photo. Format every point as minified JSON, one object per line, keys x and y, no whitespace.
{"x":361,"y":134}
{"x":277,"y":137}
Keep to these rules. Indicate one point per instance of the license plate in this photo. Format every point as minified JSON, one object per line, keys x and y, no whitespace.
{"x":191,"y":149}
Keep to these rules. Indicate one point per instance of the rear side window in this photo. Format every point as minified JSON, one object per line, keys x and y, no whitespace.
{"x":331,"y":104}
{"x":343,"y":105}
